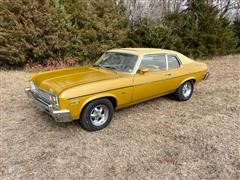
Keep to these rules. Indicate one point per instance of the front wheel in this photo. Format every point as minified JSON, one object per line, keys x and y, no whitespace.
{"x":96,"y":115}
{"x":184,"y":92}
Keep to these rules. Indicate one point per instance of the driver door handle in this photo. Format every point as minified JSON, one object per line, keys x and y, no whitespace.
{"x":169,"y":74}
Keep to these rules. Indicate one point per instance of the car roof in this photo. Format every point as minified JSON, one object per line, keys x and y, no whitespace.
{"x":145,"y":51}
{"x":142,"y":51}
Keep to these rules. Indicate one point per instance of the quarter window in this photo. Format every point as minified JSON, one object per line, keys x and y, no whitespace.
{"x":173,"y":62}
{"x":154,"y":62}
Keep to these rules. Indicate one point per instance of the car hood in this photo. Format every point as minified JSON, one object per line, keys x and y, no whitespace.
{"x":59,"y":80}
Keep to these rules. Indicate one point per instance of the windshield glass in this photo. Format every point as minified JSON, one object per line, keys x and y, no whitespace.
{"x":117,"y":61}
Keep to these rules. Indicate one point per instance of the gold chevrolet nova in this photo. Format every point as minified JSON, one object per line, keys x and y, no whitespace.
{"x":120,"y":78}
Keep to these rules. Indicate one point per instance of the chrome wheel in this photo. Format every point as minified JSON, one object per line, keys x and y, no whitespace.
{"x":187,"y":89}
{"x":99,"y":115}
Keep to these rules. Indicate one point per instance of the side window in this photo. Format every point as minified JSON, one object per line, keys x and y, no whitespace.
{"x":173,"y":62}
{"x":154,"y":62}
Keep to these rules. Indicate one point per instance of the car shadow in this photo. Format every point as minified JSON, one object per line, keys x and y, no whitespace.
{"x":169,"y":97}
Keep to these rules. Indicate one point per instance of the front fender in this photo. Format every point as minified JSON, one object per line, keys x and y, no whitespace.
{"x":97,"y":96}
{"x":76,"y":105}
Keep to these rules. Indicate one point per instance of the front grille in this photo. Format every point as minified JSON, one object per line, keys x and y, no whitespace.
{"x":44,"y":96}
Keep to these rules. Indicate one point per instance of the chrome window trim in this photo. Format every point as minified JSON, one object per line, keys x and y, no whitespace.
{"x":179,"y":61}
{"x":166,"y":61}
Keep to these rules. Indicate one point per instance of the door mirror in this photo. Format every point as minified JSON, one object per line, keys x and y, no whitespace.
{"x":143,"y":71}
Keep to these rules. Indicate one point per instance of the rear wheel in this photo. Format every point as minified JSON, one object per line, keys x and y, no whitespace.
{"x":96,"y":115}
{"x":184,"y":92}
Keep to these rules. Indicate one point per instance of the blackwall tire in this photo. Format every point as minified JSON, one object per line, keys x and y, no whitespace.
{"x":185,"y":91}
{"x":96,"y":115}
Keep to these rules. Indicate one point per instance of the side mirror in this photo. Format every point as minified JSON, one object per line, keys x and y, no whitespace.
{"x":143,"y":71}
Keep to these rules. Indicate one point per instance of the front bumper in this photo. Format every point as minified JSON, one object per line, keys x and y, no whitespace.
{"x":62,"y":115}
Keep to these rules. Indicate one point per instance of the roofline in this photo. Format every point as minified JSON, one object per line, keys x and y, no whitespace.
{"x":145,"y":51}
{"x":123,"y":50}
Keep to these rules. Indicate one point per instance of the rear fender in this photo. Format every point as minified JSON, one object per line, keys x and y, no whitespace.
{"x":187,"y":79}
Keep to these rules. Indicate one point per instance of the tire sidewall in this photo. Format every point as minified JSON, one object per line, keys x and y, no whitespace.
{"x":180,"y":91}
{"x":85,"y":120}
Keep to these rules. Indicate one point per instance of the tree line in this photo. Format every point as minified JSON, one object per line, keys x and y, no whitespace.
{"x":39,"y":30}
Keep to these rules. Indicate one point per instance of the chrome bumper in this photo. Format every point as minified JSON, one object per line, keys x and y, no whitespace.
{"x":62,"y":115}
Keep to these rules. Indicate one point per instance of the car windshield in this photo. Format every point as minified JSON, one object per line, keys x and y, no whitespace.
{"x":117,"y":61}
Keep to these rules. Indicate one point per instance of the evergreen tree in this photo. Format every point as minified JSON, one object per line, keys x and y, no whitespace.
{"x":236,"y":30}
{"x":97,"y":26}
{"x":202,"y":32}
{"x":42,"y":29}
{"x":152,"y":35}
{"x":29,"y":31}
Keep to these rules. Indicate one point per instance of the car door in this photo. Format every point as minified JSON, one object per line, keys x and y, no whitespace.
{"x":154,"y":82}
{"x":175,"y":70}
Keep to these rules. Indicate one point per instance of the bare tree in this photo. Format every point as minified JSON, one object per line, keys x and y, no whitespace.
{"x":157,"y":9}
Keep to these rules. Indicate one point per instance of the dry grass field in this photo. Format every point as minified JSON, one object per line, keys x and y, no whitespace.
{"x":159,"y":139}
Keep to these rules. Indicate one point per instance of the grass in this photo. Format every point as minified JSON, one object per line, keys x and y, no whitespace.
{"x":159,"y":139}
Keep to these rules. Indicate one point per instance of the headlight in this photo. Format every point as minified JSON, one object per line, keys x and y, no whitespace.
{"x":54,"y":100}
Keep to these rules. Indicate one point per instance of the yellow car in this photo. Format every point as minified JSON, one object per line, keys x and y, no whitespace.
{"x":120,"y":78}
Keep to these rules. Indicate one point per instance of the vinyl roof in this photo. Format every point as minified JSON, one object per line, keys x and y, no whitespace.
{"x":142,"y":50}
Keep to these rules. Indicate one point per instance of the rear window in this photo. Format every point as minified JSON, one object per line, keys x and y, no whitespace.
{"x":173,"y":62}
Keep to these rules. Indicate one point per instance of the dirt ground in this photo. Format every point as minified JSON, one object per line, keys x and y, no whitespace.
{"x":159,"y":139}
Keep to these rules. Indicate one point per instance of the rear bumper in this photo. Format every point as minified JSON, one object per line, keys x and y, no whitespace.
{"x":62,"y":115}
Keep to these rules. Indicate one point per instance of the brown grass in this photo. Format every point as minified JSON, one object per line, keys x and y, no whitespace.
{"x":159,"y":139}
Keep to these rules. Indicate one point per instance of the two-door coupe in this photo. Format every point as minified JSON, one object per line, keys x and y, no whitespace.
{"x":120,"y":78}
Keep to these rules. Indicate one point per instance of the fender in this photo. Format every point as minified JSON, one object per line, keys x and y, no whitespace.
{"x":187,"y":79}
{"x":94,"y":97}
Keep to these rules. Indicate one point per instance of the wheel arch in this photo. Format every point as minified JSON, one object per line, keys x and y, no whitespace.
{"x":192,"y":79}
{"x":110,"y":97}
